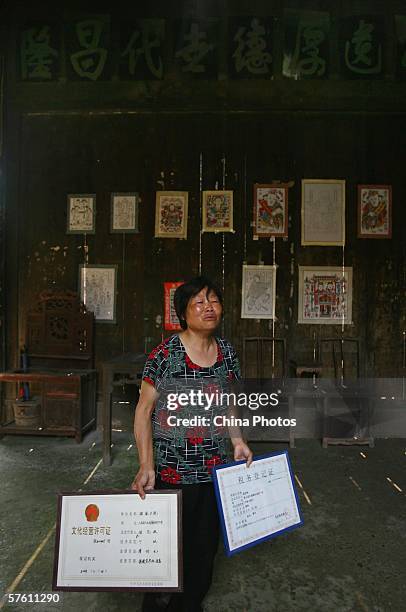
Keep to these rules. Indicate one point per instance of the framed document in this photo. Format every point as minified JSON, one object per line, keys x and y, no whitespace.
{"x":217,"y":211}
{"x":258,"y":292}
{"x":171,"y":214}
{"x":270,"y":211}
{"x":374,"y":211}
{"x":98,"y":288}
{"x":81,"y":213}
{"x":325,"y":295}
{"x":323,"y":212}
{"x":256,"y":503}
{"x":116,"y":541}
{"x":124,"y":213}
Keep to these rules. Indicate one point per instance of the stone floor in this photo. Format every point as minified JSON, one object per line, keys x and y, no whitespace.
{"x":349,"y":556}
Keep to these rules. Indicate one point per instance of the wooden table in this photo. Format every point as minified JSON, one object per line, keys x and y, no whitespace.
{"x":358,"y":402}
{"x":124,"y":369}
{"x":354,"y":399}
{"x":67,"y":398}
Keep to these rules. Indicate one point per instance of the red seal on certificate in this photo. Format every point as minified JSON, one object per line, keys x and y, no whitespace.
{"x":92,"y":513}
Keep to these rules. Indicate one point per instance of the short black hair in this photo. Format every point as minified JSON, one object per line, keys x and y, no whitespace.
{"x":188,"y":290}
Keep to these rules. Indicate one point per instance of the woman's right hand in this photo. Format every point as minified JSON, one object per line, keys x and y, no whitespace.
{"x":144,"y":481}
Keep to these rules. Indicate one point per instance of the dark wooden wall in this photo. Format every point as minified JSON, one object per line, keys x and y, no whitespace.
{"x":74,"y":137}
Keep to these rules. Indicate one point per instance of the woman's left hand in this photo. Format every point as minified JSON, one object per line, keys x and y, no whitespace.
{"x":242,"y":451}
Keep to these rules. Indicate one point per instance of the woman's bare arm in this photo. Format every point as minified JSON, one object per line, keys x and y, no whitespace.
{"x":145,"y":478}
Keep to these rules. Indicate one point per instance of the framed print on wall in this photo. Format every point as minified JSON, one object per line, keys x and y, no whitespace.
{"x":171,"y":321}
{"x":374,"y":211}
{"x":81,"y":213}
{"x":217,"y":211}
{"x":124,"y":213}
{"x":323,"y":212}
{"x":258,"y":292}
{"x":270,"y":211}
{"x":171,"y":214}
{"x":97,"y":287}
{"x":325,"y":295}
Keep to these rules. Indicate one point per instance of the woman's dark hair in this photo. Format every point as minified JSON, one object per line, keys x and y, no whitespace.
{"x":188,"y":290}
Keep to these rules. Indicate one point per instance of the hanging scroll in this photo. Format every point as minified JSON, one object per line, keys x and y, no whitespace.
{"x":171,"y":321}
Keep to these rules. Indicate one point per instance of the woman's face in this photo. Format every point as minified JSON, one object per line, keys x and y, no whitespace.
{"x":203,"y":312}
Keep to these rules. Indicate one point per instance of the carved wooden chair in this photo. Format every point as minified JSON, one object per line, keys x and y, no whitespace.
{"x":59,"y":375}
{"x":59,"y":332}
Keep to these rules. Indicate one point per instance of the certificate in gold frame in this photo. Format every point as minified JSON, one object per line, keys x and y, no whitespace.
{"x":92,"y":547}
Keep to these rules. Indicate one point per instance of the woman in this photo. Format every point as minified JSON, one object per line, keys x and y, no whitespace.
{"x":194,"y":359}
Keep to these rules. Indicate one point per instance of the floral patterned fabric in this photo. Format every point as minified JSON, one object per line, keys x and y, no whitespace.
{"x":187,"y":454}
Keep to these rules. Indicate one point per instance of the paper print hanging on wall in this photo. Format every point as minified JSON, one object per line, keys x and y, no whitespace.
{"x":258,"y":292}
{"x":323,"y":212}
{"x":374,"y":211}
{"x":171,"y":321}
{"x":325,"y":295}
{"x":270,"y":211}
{"x":217,"y":211}
{"x":97,"y":286}
{"x":171,"y":214}
{"x":81,"y":213}
{"x":124,"y":213}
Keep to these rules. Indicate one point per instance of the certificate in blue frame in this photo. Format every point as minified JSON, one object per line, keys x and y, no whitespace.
{"x":229,"y":548}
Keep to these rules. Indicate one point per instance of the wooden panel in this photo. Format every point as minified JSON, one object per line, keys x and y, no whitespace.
{"x":145,"y":262}
{"x":123,"y":134}
{"x":60,"y":412}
